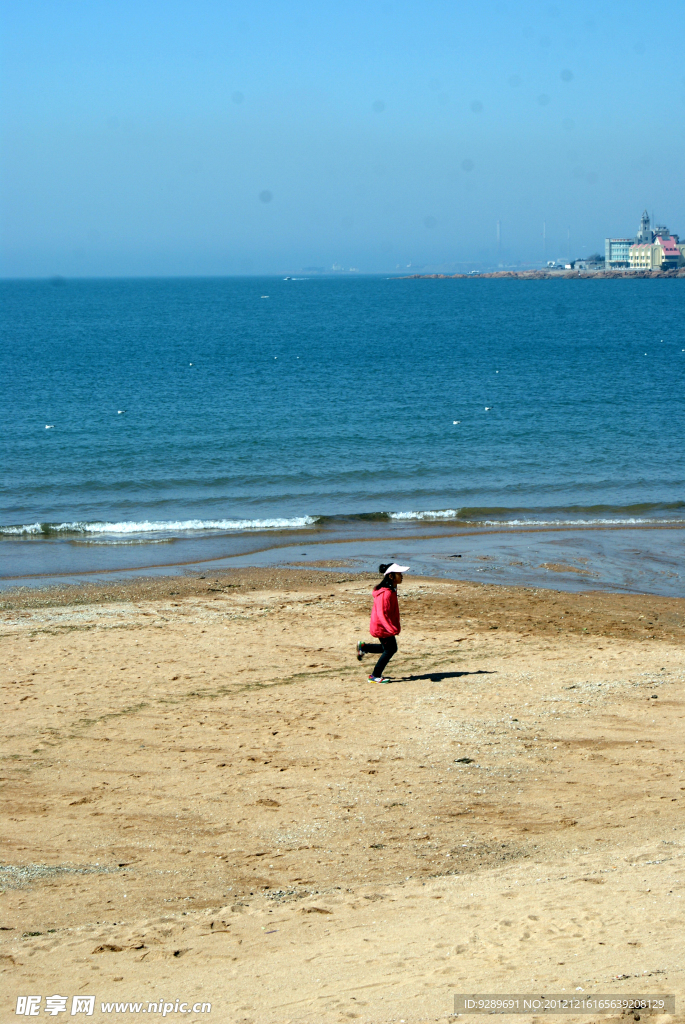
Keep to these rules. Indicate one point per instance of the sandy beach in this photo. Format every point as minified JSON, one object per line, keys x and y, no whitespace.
{"x":205,"y":801}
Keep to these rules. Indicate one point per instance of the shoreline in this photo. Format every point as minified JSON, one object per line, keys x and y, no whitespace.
{"x":632,"y":558}
{"x":546,"y":275}
{"x":204,"y":796}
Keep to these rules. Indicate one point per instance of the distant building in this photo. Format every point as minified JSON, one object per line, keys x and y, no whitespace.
{"x":651,"y":249}
{"x":617,"y":252}
{"x":662,"y":230}
{"x":645,"y":236}
{"x":662,"y":254}
{"x":671,"y":254}
{"x":587,"y":265}
{"x":643,"y":257}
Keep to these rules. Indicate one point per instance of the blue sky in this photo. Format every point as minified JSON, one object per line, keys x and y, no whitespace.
{"x":210,"y":137}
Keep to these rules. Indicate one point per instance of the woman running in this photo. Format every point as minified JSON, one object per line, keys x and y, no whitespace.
{"x":385,"y":620}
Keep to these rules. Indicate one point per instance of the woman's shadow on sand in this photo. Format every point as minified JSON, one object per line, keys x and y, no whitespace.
{"x":437,"y":677}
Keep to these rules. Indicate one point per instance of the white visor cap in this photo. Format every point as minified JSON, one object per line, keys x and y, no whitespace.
{"x":396,"y":568}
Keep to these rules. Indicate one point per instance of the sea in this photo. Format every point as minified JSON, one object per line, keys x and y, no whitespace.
{"x":508,"y":431}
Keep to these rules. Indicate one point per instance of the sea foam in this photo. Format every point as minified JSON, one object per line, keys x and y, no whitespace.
{"x":448,"y":513}
{"x":465,"y":516}
{"x":164,"y":526}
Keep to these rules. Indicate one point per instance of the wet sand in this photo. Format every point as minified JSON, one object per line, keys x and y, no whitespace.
{"x":636,"y":557}
{"x":204,"y":799}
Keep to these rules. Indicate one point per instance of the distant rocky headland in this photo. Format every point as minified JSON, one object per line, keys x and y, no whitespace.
{"x":543,"y":275}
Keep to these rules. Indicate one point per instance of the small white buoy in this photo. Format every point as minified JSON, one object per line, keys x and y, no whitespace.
{"x":496,"y":371}
{"x":265,"y":296}
{"x":190,"y":364}
{"x":488,"y":408}
{"x":49,"y":426}
{"x":120,"y":412}
{"x":275,"y":357}
{"x":455,"y":422}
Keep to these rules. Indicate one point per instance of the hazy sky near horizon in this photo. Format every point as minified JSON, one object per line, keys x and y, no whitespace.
{"x":155,"y":137}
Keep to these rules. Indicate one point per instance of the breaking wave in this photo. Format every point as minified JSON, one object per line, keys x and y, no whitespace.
{"x":147,"y":527}
{"x":514,"y":517}
{"x":594,"y":515}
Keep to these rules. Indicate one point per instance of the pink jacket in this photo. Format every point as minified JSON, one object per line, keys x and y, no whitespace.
{"x":385,"y":614}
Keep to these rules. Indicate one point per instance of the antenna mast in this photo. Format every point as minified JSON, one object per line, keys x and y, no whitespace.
{"x":544,"y":241}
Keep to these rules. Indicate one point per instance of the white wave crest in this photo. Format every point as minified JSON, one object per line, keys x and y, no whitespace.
{"x":18,"y":530}
{"x":164,"y":526}
{"x":577,"y":522}
{"x":451,"y":513}
{"x":448,"y":513}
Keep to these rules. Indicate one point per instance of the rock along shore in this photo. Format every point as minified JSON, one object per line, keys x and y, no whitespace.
{"x":543,"y":275}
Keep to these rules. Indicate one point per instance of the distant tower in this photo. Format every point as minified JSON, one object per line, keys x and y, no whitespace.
{"x":499,"y":239}
{"x":645,"y":235}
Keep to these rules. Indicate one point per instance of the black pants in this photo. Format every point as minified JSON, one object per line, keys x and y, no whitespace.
{"x":386,"y":648}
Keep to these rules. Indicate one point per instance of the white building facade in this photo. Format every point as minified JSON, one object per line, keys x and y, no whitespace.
{"x":617,"y":252}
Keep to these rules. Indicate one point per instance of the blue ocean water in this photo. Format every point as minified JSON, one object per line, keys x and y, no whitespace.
{"x":211,"y":411}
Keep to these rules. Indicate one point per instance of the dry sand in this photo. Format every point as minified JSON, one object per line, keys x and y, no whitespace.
{"x":205,"y":799}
